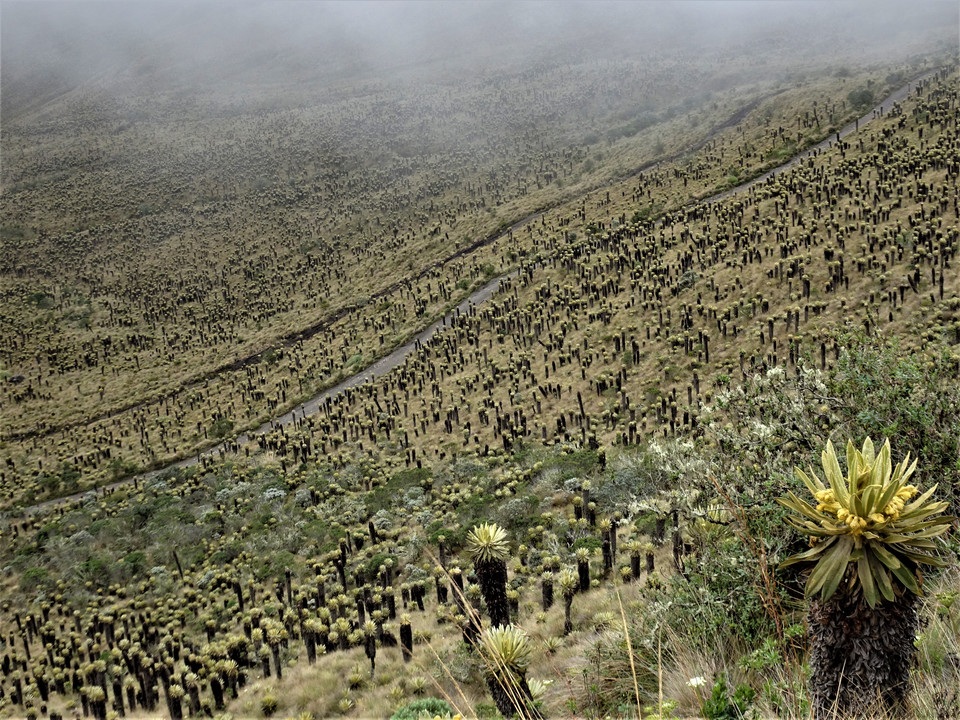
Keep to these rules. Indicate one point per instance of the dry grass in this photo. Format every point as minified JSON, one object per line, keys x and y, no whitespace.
{"x":500,"y":371}
{"x":176,"y":426}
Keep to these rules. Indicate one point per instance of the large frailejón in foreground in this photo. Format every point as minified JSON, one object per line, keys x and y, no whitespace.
{"x":869,"y":533}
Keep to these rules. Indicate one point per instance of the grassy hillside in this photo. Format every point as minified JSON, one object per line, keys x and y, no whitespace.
{"x":620,"y":327}
{"x":193,"y":246}
{"x":179,"y":266}
{"x":646,"y":382}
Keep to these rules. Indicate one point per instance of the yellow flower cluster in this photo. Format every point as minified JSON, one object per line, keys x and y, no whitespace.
{"x":827,"y":503}
{"x":856,"y":524}
{"x":903,"y":496}
{"x":869,"y":525}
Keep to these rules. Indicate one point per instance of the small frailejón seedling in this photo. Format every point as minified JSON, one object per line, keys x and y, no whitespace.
{"x":869,"y":533}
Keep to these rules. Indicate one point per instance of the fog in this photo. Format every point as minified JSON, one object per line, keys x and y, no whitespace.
{"x":51,"y":47}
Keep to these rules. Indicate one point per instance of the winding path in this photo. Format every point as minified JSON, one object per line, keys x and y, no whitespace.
{"x":479,"y":296}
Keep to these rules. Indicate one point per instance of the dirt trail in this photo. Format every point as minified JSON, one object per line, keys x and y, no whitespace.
{"x":878,"y":111}
{"x":399,"y":355}
{"x":327,"y":322}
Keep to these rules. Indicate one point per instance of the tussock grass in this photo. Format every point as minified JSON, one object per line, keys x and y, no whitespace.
{"x":162,"y":402}
{"x":177,"y":543}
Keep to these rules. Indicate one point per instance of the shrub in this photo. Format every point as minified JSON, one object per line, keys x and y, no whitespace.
{"x":887,"y":390}
{"x":424,"y":706}
{"x":34,"y":578}
{"x":373,"y":565}
{"x":221,"y":427}
{"x":860,"y":98}
{"x":720,"y":706}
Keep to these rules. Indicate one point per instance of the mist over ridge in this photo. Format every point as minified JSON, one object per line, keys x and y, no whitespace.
{"x":144,"y":47}
{"x":293,"y":295}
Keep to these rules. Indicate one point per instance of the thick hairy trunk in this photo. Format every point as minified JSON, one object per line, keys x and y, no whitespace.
{"x":471,"y":626}
{"x":118,"y":698}
{"x":176,"y":708}
{"x":512,"y":698}
{"x":194,"y":700}
{"x":370,"y":648}
{"x":583,"y":574}
{"x":501,"y":697}
{"x":406,"y":642}
{"x":860,"y":656}
{"x":492,"y":578}
{"x":216,"y":690}
{"x":546,"y":594}
{"x":275,"y":651}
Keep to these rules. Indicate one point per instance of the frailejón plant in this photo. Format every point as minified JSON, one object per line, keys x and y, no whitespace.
{"x":869,"y":533}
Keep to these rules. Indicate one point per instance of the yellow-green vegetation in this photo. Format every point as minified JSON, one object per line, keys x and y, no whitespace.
{"x":506,"y":650}
{"x":269,"y":275}
{"x":246,"y":303}
{"x":487,"y":543}
{"x":628,"y":329}
{"x":869,"y":518}
{"x":228,"y":575}
{"x":869,"y":537}
{"x":579,"y":473}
